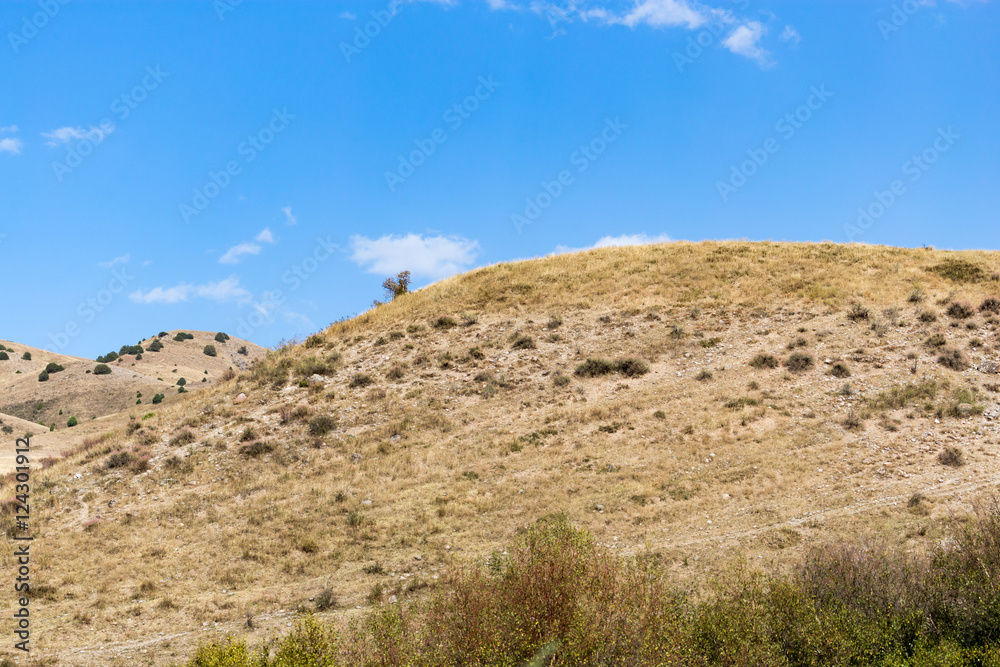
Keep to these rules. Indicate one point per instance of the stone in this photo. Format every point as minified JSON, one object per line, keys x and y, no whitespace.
{"x":599,"y":508}
{"x":965,"y":409}
{"x":239,"y":399}
{"x":316,"y":378}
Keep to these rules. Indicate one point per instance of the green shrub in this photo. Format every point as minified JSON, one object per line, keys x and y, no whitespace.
{"x":951,"y":456}
{"x":763,"y":360}
{"x":444,"y":322}
{"x":72,"y":422}
{"x":26,"y":356}
{"x":799,"y":362}
{"x":3,"y":356}
{"x":953,"y":359}
{"x":155,"y":346}
{"x":256,"y":449}
{"x":181,"y":336}
{"x":181,"y":382}
{"x":107,"y":358}
{"x":396,"y":372}
{"x":221,"y":337}
{"x":631,"y":367}
{"x":322,"y":424}
{"x":595,"y":368}
{"x":242,"y":350}
{"x":561,"y":380}
{"x":43,"y":376}
{"x":119,"y":460}
{"x":703,"y":375}
{"x":990,"y":305}
{"x":858,"y":312}
{"x":960,"y":310}
{"x":130,"y":349}
{"x":158,"y":398}
{"x":520,"y":341}
{"x":209,"y":351}
{"x":361,"y":380}
{"x":102,"y":369}
{"x":839,"y":370}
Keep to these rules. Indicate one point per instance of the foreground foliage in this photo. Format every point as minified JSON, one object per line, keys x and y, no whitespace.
{"x":557,"y":598}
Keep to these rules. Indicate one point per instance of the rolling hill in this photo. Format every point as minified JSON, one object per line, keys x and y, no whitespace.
{"x":700,"y":404}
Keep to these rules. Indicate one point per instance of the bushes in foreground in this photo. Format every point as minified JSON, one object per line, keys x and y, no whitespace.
{"x":628,"y":367}
{"x":557,"y":598}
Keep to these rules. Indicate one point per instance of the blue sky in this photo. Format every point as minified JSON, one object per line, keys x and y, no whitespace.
{"x":260,"y":167}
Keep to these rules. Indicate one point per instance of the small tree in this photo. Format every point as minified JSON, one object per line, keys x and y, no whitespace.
{"x":54,"y":368}
{"x":397,"y":286}
{"x":242,"y":350}
{"x":102,"y":369}
{"x":72,"y":422}
{"x":221,"y":337}
{"x":3,"y":356}
{"x":181,"y":382}
{"x":158,"y":399}
{"x":155,"y":346}
{"x":210,"y":350}
{"x":43,"y":376}
{"x":26,"y":356}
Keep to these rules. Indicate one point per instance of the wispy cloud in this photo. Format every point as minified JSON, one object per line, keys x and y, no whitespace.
{"x":124,"y":259}
{"x":666,"y":13}
{"x":745,"y":41}
{"x":347,"y":15}
{"x":617,"y":241}
{"x":11,"y":145}
{"x":10,"y":129}
{"x":790,"y":35}
{"x":433,"y":256}
{"x":222,"y":291}
{"x":64,"y":135}
{"x":238,"y":251}
{"x":289,"y":218}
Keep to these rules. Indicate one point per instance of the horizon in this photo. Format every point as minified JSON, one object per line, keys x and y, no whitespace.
{"x":263,"y":167}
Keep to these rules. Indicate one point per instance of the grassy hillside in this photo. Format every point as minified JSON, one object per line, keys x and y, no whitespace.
{"x":700,"y":404}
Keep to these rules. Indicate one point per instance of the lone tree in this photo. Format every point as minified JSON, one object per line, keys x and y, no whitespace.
{"x":396,"y":286}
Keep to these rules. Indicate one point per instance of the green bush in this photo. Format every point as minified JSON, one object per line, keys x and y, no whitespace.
{"x":107,"y":358}
{"x":158,"y":398}
{"x":43,"y":376}
{"x":961,"y":310}
{"x":209,"y":351}
{"x":221,"y":337}
{"x":630,"y":367}
{"x":130,"y":349}
{"x":182,"y":336}
{"x":72,"y":422}
{"x":322,"y":424}
{"x":839,"y":370}
{"x":520,"y":341}
{"x":102,"y":369}
{"x":26,"y":356}
{"x":361,"y":380}
{"x":763,"y":360}
{"x":990,"y":305}
{"x":155,"y":346}
{"x":181,"y":382}
{"x":953,"y":359}
{"x":799,"y":362}
{"x":242,"y":350}
{"x":3,"y":356}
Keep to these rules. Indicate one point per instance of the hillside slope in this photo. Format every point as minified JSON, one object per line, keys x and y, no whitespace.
{"x":756,"y":398}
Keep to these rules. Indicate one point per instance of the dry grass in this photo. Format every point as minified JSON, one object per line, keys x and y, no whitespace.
{"x":460,"y":451}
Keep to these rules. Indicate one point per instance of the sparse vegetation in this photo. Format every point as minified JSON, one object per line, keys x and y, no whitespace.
{"x":799,"y":362}
{"x":763,"y":360}
{"x":209,"y":351}
{"x":960,"y":310}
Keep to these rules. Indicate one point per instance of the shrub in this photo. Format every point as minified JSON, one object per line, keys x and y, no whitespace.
{"x":858,"y":312}
{"x":953,"y":359}
{"x":631,"y":367}
{"x":43,"y":376}
{"x":959,"y":271}
{"x":256,"y":449}
{"x":561,"y":380}
{"x":158,"y":398}
{"x":951,"y":456}
{"x":182,"y":336}
{"x":181,"y":382}
{"x":520,"y":341}
{"x":916,"y":296}
{"x":108,"y":358}
{"x":3,"y":356}
{"x":322,"y":424}
{"x":26,"y":356}
{"x":839,"y":370}
{"x":209,"y":351}
{"x":119,"y":460}
{"x":155,"y":346}
{"x":183,"y":437}
{"x":937,"y":340}
{"x":444,"y":322}
{"x":960,"y":310}
{"x":361,"y":380}
{"x":704,"y":375}
{"x":102,"y":369}
{"x":396,"y":372}
{"x":130,"y":349}
{"x":398,"y":286}
{"x":242,"y":350}
{"x":799,"y":362}
{"x":53,"y":368}
{"x":763,"y":360}
{"x":221,"y":337}
{"x":554,"y":323}
{"x":476,"y":352}
{"x":72,"y":422}
{"x":928,"y":316}
{"x":990,"y":305}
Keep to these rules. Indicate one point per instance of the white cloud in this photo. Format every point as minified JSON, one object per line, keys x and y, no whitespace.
{"x":64,"y":135}
{"x":434,"y":256}
{"x":10,"y":129}
{"x":289,"y":218}
{"x":11,"y":145}
{"x":221,"y":291}
{"x":347,"y":15}
{"x":617,"y":241}
{"x":265,"y":236}
{"x":234,"y":254}
{"x":744,"y":41}
{"x":662,"y":13}
{"x":790,"y":35}
{"x":124,"y":259}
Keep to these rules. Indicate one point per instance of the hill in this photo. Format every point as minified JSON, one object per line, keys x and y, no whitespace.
{"x":703,"y":405}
